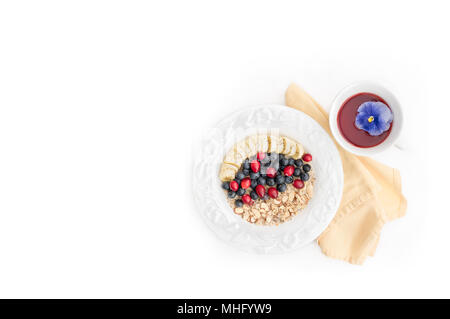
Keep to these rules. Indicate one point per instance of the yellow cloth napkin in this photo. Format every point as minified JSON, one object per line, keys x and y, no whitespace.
{"x":371,"y":197}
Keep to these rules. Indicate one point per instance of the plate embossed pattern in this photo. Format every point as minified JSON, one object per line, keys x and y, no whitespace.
{"x":303,"y":228}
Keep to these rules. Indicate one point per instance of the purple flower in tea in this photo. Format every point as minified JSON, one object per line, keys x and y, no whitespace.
{"x":374,"y":118}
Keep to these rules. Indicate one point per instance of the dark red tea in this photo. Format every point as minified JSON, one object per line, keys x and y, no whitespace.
{"x":346,"y":121}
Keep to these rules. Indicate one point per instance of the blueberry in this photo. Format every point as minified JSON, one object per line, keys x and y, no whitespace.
{"x":254,"y":175}
{"x":254,"y":195}
{"x":231,"y":194}
{"x":262,"y":181}
{"x":246,"y":172}
{"x":288,"y":179}
{"x":280,"y":156}
{"x":304,"y":176}
{"x":297,"y":172}
{"x":298,"y":162}
{"x":284,"y":162}
{"x":281,"y":187}
{"x":279,"y":179}
{"x":238,"y":203}
{"x":240,"y":175}
{"x":270,"y":182}
{"x":291,"y":161}
{"x":254,"y":183}
{"x":246,"y":164}
{"x":306,"y":168}
{"x":240,"y":191}
{"x":226,"y":186}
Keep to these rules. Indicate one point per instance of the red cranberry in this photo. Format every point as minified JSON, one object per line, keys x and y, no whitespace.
{"x":260,"y":190}
{"x":255,"y":166}
{"x":247,"y":199}
{"x":271,"y":172}
{"x":307,"y":157}
{"x":234,"y":186}
{"x":289,"y":170}
{"x":246,"y":182}
{"x":272,"y":191}
{"x":261,"y":155}
{"x":298,"y":183}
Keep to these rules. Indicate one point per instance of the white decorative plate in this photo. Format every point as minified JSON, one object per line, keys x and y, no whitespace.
{"x":303,"y":228}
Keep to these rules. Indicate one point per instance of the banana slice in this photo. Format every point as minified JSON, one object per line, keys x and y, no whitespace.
{"x":238,"y":154}
{"x":227,"y":172}
{"x":287,"y":145}
{"x":242,"y":149}
{"x":290,"y":146}
{"x":262,"y":143}
{"x":299,"y":152}
{"x":273,"y":146}
{"x":276,"y":144}
{"x":252,"y":144}
{"x":233,"y":158}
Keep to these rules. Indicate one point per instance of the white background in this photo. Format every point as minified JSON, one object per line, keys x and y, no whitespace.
{"x":102,"y":102}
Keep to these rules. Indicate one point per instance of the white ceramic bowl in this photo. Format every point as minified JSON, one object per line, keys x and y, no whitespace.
{"x":211,"y":200}
{"x":366,"y":87}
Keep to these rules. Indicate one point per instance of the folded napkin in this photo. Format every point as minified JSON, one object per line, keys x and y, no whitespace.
{"x":371,"y":197}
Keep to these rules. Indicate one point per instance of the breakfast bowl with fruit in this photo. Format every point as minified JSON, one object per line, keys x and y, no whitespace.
{"x":267,"y":179}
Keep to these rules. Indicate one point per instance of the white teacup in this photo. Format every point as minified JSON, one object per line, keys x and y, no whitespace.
{"x":366,"y":87}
